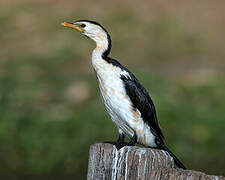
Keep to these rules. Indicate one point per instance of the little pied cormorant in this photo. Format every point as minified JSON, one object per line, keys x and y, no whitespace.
{"x":126,"y":100}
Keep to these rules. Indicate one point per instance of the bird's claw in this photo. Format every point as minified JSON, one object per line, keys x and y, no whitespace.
{"x":111,"y":142}
{"x":119,"y":145}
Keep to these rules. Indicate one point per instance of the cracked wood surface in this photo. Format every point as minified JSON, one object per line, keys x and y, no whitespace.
{"x":130,"y":163}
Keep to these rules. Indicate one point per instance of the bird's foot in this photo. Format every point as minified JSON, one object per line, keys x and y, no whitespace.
{"x":119,"y":144}
{"x":110,"y":142}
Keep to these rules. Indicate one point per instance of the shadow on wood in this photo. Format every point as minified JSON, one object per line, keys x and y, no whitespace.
{"x":129,"y":163}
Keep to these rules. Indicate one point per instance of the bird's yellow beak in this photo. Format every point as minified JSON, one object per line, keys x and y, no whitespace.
{"x":66,"y":24}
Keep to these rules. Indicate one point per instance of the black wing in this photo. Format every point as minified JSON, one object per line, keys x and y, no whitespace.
{"x":142,"y":101}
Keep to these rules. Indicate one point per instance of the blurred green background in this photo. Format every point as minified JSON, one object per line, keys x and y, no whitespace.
{"x":50,"y":108}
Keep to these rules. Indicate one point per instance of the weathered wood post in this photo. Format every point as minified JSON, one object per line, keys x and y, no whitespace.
{"x":130,"y":163}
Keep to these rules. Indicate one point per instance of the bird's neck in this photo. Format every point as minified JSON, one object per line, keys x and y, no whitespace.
{"x":101,"y":52}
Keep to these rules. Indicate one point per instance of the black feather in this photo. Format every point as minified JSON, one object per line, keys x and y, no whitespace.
{"x":136,"y":92}
{"x":140,"y":99}
{"x":176,"y":160}
{"x":143,"y":102}
{"x":114,"y":63}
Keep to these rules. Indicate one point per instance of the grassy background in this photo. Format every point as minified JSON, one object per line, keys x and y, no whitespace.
{"x":50,"y":109}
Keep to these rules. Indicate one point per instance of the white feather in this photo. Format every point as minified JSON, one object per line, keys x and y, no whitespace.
{"x":113,"y":93}
{"x":116,"y":101}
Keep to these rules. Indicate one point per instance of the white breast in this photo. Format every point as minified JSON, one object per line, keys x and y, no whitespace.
{"x":118,"y":104}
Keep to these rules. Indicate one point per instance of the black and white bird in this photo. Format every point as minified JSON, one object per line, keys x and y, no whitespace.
{"x":126,"y":100}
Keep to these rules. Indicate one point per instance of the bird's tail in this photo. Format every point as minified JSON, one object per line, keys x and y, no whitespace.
{"x":176,"y":160}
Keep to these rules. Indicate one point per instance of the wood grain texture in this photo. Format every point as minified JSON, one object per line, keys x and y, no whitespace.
{"x":131,"y":163}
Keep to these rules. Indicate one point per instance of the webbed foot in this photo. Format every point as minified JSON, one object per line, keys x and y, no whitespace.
{"x":121,"y":143}
{"x":110,"y":142}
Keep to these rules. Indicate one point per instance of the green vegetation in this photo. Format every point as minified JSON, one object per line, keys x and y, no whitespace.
{"x":50,"y":106}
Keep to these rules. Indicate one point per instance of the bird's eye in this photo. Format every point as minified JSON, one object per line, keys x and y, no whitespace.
{"x":82,"y":25}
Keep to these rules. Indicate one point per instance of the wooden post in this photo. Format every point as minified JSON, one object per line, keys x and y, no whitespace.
{"x":130,"y":163}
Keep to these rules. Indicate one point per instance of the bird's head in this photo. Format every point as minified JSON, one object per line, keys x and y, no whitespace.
{"x":91,"y":29}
